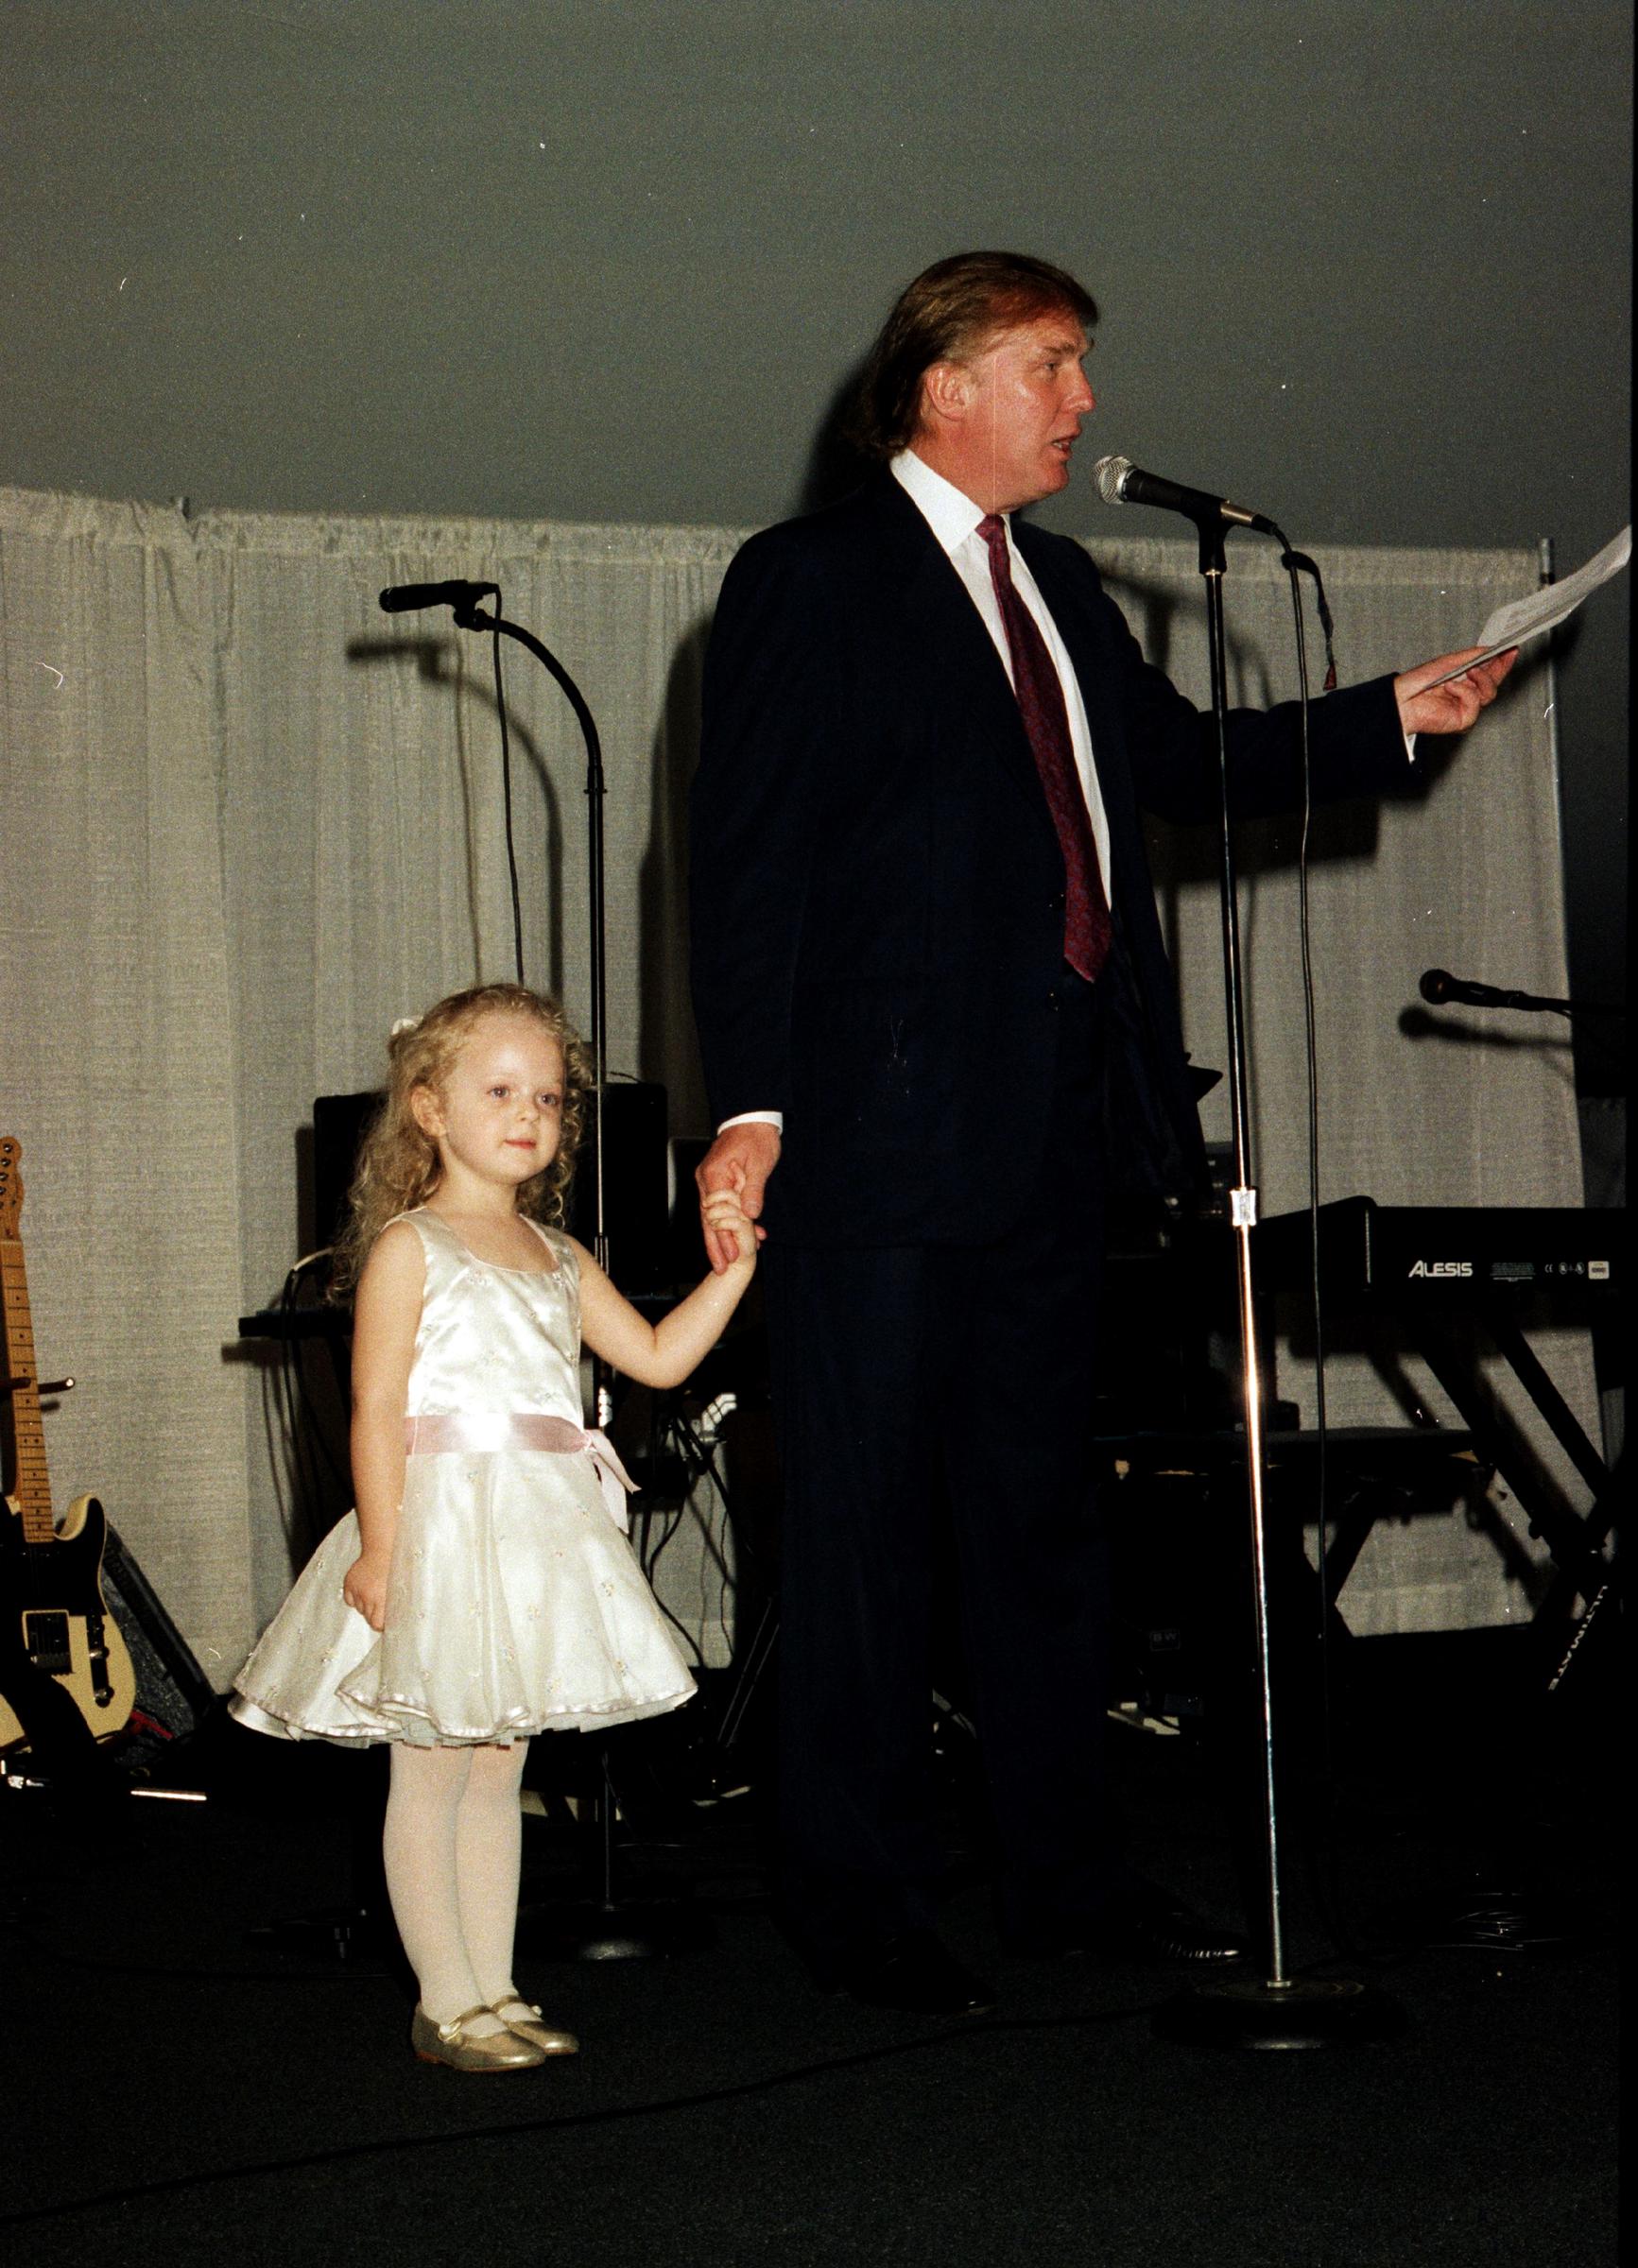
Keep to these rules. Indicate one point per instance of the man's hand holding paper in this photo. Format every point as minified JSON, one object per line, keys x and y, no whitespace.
{"x":1521,"y":619}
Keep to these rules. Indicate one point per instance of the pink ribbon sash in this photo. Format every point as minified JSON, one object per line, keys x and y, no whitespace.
{"x":482,"y":1433}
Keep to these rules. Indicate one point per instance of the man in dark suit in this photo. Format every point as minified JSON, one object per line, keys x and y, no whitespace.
{"x":931,"y":993}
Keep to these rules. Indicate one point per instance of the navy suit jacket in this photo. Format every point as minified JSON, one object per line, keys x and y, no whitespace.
{"x":877,"y":889}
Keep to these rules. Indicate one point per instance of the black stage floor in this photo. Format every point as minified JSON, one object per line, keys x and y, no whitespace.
{"x":184,"y":2091}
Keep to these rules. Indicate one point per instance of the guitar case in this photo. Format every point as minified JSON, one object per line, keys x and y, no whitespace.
{"x":173,"y":1694}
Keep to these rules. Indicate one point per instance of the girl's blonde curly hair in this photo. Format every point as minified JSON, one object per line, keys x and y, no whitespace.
{"x":398,"y":1164}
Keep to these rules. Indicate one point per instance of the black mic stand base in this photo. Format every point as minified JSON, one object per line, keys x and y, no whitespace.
{"x":623,"y":1930}
{"x":1301,"y":2012}
{"x":600,"y":1926}
{"x":340,"y":1934}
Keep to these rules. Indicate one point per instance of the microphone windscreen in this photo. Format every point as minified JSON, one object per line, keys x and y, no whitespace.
{"x":1109,"y":472}
{"x":1435,"y":984}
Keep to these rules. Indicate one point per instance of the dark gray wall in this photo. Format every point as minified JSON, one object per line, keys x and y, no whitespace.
{"x":1364,"y":263}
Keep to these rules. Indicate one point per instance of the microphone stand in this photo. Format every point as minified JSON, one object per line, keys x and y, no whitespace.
{"x":470,"y":616}
{"x":599,"y":1928}
{"x":1277,"y":2010}
{"x":1441,"y":991}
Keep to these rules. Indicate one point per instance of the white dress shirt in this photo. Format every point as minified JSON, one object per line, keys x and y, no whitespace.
{"x":954,"y":519}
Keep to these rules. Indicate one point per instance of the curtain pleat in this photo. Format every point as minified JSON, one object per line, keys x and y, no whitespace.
{"x":250,"y":820}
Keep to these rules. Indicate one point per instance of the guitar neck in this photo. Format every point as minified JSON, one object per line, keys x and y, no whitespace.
{"x":31,"y":1482}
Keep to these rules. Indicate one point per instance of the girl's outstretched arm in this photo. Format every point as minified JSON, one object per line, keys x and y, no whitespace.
{"x":663,"y":1353}
{"x":386,"y":1314}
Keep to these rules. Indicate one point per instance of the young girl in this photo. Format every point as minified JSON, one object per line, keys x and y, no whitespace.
{"x":483,"y":1591}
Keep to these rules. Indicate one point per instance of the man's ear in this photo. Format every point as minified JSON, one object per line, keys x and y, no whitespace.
{"x":946,"y":391}
{"x":424,"y":1111}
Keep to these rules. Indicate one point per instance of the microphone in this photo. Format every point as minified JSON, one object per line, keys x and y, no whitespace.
{"x":403,"y":598}
{"x":1438,"y":986}
{"x":1120,"y":482}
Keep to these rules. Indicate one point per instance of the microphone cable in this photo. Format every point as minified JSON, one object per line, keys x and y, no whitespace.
{"x":1299,"y":562}
{"x":1296,"y":563}
{"x":1325,"y":1878}
{"x":947,"y":2045}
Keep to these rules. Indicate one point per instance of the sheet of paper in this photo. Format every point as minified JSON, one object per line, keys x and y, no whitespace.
{"x":1543,"y":609}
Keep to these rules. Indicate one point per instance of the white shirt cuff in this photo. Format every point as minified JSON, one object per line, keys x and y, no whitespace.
{"x":755,"y":1118}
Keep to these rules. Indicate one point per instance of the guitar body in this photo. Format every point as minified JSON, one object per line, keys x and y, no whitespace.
{"x":59,"y":1626}
{"x":65,"y":1671}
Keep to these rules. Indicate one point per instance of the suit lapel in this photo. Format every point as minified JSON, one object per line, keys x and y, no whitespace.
{"x":973,"y":688}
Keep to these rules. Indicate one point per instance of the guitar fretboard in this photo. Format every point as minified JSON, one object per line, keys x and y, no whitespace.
{"x":31,"y":1482}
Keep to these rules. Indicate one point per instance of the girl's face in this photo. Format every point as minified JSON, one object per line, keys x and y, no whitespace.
{"x":498,"y":1117}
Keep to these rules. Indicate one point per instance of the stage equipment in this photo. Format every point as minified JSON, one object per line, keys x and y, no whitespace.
{"x":462,"y":598}
{"x":1119,"y":481}
{"x":59,"y":1644}
{"x":1450,"y":1276}
{"x":1174,"y":1561}
{"x":635,"y":1168}
{"x":173,"y":1694}
{"x":340,"y":1123}
{"x":602,"y":1929}
{"x":1279,"y":2011}
{"x":1438,"y":986}
{"x":408,"y":598}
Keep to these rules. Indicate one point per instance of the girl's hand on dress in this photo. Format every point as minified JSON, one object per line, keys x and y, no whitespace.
{"x":726,"y":1220}
{"x":365,"y":1589}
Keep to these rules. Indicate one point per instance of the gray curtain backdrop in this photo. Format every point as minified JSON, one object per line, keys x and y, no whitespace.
{"x":250,"y":821}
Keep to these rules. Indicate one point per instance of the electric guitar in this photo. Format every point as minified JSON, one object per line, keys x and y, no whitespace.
{"x":57,"y":1636}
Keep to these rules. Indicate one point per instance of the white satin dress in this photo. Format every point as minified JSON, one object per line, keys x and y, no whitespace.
{"x":514,"y":1603}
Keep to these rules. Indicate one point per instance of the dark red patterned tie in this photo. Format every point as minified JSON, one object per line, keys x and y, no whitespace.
{"x":1046,"y":723}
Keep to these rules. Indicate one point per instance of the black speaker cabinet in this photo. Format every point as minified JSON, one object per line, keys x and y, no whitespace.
{"x":636,"y":1195}
{"x":338,"y":1126}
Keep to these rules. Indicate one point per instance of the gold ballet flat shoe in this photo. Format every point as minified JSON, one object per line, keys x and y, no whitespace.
{"x":530,"y":2027}
{"x":507,"y":2051}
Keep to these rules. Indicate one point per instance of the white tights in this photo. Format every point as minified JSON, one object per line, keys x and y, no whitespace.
{"x":452,"y":1848}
